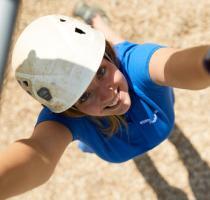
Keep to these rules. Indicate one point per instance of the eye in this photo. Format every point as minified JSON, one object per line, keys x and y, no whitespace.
{"x":101,"y":72}
{"x":84,"y":97}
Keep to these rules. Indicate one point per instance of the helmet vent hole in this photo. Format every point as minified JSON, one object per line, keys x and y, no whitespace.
{"x":77,"y":30}
{"x":44,"y":93}
{"x":25,"y":83}
{"x":62,"y":20}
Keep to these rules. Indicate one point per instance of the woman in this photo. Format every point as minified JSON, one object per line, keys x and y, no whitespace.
{"x":118,"y":106}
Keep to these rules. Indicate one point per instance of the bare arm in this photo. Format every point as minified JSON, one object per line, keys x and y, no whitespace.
{"x":110,"y":35}
{"x":29,"y":163}
{"x":180,"y":68}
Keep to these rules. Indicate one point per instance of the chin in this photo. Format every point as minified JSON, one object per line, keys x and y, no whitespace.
{"x":123,"y":110}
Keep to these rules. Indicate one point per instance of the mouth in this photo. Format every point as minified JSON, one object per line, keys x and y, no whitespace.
{"x":115,"y":102}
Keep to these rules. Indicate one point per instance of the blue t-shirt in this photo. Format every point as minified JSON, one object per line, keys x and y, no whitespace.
{"x":150,"y":117}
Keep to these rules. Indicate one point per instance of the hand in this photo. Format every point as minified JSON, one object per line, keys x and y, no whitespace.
{"x":206,"y":61}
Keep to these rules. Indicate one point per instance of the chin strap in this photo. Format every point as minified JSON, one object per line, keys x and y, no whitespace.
{"x":206,"y":61}
{"x":108,"y":57}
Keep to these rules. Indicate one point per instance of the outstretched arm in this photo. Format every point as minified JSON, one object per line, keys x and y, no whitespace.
{"x":180,"y":68}
{"x":29,"y":163}
{"x":110,"y":35}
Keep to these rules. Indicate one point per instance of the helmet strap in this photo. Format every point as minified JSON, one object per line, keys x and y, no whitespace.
{"x":108,"y":57}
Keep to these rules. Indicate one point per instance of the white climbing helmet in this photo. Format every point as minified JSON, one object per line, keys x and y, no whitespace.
{"x":55,"y":59}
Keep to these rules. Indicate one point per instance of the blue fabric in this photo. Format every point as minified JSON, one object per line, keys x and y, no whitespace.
{"x":150,"y":117}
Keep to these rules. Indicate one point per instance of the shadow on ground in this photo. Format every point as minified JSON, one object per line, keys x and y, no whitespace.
{"x":198,"y":171}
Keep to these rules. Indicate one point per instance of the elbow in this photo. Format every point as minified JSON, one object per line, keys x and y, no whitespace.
{"x":44,"y":175}
{"x":44,"y":171}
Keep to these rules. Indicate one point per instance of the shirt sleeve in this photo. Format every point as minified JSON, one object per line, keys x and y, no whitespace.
{"x":134,"y":62}
{"x":47,"y":115}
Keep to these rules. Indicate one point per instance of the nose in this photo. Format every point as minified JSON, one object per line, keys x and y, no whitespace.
{"x":106,"y":94}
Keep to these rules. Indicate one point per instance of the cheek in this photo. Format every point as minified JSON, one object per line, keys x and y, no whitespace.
{"x":122,"y":82}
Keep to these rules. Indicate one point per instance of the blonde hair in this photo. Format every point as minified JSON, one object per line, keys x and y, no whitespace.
{"x":115,"y":121}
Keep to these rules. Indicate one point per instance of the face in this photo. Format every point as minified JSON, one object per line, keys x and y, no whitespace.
{"x":107,"y":94}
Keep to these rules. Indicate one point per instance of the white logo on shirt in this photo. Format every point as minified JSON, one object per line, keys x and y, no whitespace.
{"x":150,"y":121}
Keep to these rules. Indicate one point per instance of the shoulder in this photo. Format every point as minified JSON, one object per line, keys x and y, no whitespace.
{"x":77,"y":126}
{"x":134,"y":56}
{"x":134,"y":62}
{"x":50,"y":123}
{"x":55,"y":120}
{"x":54,"y":130}
{"x":52,"y":138}
{"x":158,"y":69}
{"x":127,"y":47}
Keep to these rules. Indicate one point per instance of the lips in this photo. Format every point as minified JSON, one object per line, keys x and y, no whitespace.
{"x":115,"y":102}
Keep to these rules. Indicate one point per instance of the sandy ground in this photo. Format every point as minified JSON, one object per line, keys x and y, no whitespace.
{"x":177,"y":169}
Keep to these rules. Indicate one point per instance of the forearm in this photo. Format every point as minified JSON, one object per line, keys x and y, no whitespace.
{"x":22,"y":168}
{"x":111,"y":36}
{"x":185,"y":68}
